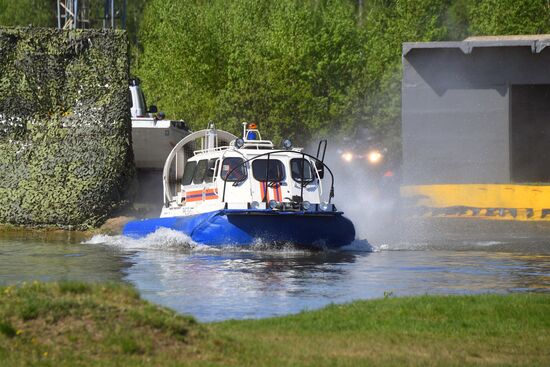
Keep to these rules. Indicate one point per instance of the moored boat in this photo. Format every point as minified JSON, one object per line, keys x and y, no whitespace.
{"x":242,"y":191}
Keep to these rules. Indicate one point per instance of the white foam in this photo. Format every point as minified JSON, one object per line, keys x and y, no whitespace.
{"x":169,"y":239}
{"x":360,"y":245}
{"x":401,"y":246}
{"x":487,"y":243}
{"x":163,"y":238}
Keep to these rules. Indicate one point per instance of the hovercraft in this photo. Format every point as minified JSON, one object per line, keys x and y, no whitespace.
{"x":245,"y":191}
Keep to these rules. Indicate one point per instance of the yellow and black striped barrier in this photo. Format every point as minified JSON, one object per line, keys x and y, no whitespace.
{"x":484,"y":201}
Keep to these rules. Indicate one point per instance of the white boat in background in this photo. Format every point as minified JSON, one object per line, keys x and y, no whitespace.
{"x":153,"y":136}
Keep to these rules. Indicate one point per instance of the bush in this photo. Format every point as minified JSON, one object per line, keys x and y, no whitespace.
{"x":65,"y":132}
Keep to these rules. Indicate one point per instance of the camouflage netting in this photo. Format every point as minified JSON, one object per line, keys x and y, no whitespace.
{"x":65,"y":130}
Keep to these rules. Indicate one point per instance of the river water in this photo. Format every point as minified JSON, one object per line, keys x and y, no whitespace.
{"x":234,"y":283}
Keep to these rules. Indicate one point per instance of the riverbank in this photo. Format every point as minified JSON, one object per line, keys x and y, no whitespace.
{"x":66,"y":324}
{"x":112,"y":226}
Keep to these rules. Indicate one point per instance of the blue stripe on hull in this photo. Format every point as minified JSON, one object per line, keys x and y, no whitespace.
{"x":244,"y":227}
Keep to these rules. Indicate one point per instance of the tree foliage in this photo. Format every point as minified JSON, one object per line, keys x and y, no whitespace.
{"x":38,"y":13}
{"x":298,"y":67}
{"x":496,"y":17}
{"x":389,"y":23}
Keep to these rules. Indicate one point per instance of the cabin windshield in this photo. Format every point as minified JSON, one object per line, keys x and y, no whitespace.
{"x":230,"y":163}
{"x":209,"y":175}
{"x":276,"y":170}
{"x":200,"y":171}
{"x":296,"y":170}
{"x":188,"y":172}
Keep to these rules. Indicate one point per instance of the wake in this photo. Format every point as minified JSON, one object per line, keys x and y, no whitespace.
{"x":165,"y":239}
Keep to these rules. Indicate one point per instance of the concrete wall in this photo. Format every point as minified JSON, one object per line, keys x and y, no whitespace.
{"x":456,"y":109}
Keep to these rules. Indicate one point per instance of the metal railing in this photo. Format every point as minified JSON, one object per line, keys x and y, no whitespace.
{"x":268,"y":154}
{"x":216,"y":149}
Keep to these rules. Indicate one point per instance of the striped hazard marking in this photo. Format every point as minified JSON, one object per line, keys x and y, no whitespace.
{"x":276,"y":192}
{"x":200,"y":195}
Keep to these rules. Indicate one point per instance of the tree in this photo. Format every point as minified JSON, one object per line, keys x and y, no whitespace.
{"x":38,"y":13}
{"x":389,"y":23}
{"x":496,"y":17}
{"x":301,"y":68}
{"x":296,"y":67}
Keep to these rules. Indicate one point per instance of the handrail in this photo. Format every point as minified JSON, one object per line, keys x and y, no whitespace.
{"x":324,"y":144}
{"x":215,"y":177}
{"x":331,"y":193}
{"x":266,"y":177}
{"x":302,"y":182}
{"x":216,"y":149}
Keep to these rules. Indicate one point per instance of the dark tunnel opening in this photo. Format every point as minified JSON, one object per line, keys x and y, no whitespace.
{"x":530,"y":133}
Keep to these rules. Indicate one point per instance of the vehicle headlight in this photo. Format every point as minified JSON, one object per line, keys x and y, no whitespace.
{"x":323,"y":206}
{"x":239,"y":143}
{"x":254,"y":205}
{"x":287,"y":144}
{"x":273,"y":204}
{"x":306,"y":205}
{"x":374,"y":156}
{"x":347,"y":156}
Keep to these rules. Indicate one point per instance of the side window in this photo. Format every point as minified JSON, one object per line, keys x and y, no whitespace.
{"x":239,"y":174}
{"x":200,"y":170}
{"x":276,"y":170}
{"x":209,"y":176}
{"x":188,"y":172}
{"x":296,"y":170}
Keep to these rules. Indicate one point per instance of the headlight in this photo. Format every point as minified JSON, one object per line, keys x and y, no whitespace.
{"x":287,"y":144}
{"x":306,"y":205}
{"x":323,"y":206}
{"x":374,"y":156}
{"x":254,"y":205}
{"x":347,"y":156}
{"x":239,"y":143}
{"x":273,"y":204}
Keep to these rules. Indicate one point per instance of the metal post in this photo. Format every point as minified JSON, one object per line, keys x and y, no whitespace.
{"x":123,"y":21}
{"x":105,"y":13}
{"x":266,"y":179}
{"x":75,"y":14}
{"x":302,"y":180}
{"x":58,"y":15}
{"x":112,"y":14}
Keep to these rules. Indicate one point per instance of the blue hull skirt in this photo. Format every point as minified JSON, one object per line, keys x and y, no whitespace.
{"x":246,"y":227}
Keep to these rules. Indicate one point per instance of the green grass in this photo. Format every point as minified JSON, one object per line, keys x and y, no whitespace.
{"x":76,"y":324}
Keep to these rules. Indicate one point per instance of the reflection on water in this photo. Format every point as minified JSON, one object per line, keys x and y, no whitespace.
{"x":214,"y":284}
{"x":242,"y":285}
{"x":248,"y":285}
{"x":58,"y":256}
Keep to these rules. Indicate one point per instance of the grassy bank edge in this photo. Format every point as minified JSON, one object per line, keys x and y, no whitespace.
{"x":72,"y":323}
